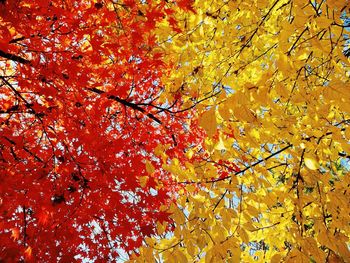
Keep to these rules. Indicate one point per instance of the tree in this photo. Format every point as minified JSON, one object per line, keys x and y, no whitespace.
{"x":201,"y":130}
{"x":278,"y":127}
{"x":83,"y":111}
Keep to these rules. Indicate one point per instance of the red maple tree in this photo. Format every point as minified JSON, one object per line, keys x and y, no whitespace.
{"x":79,"y":115}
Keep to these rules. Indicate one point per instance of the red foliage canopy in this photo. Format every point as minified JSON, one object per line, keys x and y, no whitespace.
{"x":79,"y":114}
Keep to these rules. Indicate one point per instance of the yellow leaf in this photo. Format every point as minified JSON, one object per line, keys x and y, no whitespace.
{"x":161,"y":228}
{"x":284,"y":64}
{"x":323,"y":22}
{"x":180,"y":256}
{"x":149,"y":167}
{"x":236,"y":255}
{"x":220,"y":145}
{"x":276,"y":258}
{"x":208,"y":122}
{"x":143,"y":180}
{"x":243,"y":235}
{"x":311,"y":163}
{"x":347,"y":133}
{"x":253,"y":211}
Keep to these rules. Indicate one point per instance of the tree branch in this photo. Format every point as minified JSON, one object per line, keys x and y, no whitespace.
{"x":14,"y":58}
{"x":128,"y":104}
{"x":241,"y":171}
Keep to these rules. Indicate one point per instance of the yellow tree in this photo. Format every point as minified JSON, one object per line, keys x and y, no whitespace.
{"x":271,"y":86}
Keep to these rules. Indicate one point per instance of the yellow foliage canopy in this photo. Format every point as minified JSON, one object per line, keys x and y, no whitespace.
{"x":277,"y":89}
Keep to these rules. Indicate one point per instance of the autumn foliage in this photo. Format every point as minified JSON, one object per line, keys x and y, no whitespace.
{"x":81,"y":111}
{"x":176,"y":131}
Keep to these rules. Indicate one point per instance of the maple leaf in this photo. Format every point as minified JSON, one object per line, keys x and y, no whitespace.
{"x":147,"y":230}
{"x":28,"y":253}
{"x":186,"y":5}
{"x":15,"y":233}
{"x":82,"y":100}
